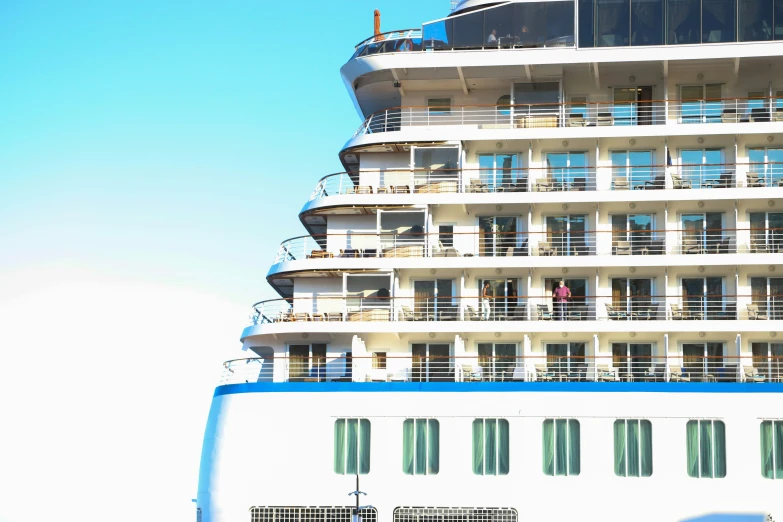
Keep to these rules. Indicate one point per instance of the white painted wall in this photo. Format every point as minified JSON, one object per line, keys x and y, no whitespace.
{"x":276,"y":449}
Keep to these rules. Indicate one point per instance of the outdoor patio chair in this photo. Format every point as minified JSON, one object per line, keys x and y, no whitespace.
{"x":755,"y":314}
{"x":543,"y":313}
{"x":679,"y":183}
{"x":677,"y":375}
{"x":476,"y":185}
{"x":623,"y":248}
{"x":545,"y":249}
{"x":615,"y":313}
{"x":750,"y":374}
{"x":620,"y":184}
{"x":677,"y":312}
{"x":469,"y":374}
{"x":754,"y":181}
{"x":543,"y":374}
{"x":444,"y":251}
{"x":604,"y":373}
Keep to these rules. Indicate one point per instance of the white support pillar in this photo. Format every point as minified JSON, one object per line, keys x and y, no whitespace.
{"x":666,"y":307}
{"x":529,"y":307}
{"x":666,"y":356}
{"x":596,"y":350}
{"x":738,"y":348}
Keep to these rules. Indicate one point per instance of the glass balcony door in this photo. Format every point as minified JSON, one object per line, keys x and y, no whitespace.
{"x":766,"y":232}
{"x":497,"y":360}
{"x":431,"y":362}
{"x":434,"y":300}
{"x":702,"y":360}
{"x":563,"y":358}
{"x":768,"y":360}
{"x":632,"y":105}
{"x":503,"y":301}
{"x":703,"y":298}
{"x":766,"y":165}
{"x":501,"y":172}
{"x":767,"y":294}
{"x":567,"y":170}
{"x":497,"y":234}
{"x":632,"y":360}
{"x":634,"y":167}
{"x":636,"y":229}
{"x":701,"y":103}
{"x":632,"y":296}
{"x":701,"y":166}
{"x":702,"y":233}
{"x":566,"y":234}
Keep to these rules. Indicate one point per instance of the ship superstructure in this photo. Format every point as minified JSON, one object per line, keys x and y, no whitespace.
{"x":550,"y":272}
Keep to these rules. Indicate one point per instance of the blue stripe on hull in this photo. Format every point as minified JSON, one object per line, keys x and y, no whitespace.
{"x":467,"y":387}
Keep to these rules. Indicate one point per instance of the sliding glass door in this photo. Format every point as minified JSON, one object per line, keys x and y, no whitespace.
{"x":702,"y":233}
{"x":634,"y":167}
{"x":567,"y":170}
{"x":504,"y":304}
{"x":703,"y":298}
{"x":431,"y":363}
{"x":632,"y":296}
{"x":766,"y":232}
{"x":563,"y":358}
{"x":768,"y":360}
{"x":501,"y":171}
{"x":702,"y":360}
{"x":632,"y":359}
{"x":567,"y":234}
{"x":497,"y":360}
{"x":767,"y":294}
{"x":434,"y":300}
{"x":497,"y":234}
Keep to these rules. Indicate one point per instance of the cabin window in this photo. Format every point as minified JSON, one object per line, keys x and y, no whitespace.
{"x":632,"y":448}
{"x":490,"y":447}
{"x":420,"y":446}
{"x":439,"y":105}
{"x":706,"y":448}
{"x":352,"y":446}
{"x":379,"y":360}
{"x":562,"y":450}
{"x":772,"y":449}
{"x":446,"y":235}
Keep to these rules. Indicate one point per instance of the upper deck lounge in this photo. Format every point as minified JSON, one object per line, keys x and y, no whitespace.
{"x":601,"y":23}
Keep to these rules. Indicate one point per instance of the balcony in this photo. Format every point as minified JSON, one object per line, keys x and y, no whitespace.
{"x":478,"y":367}
{"x":590,"y":114}
{"x":550,"y":179}
{"x":542,"y":308}
{"x":557,"y":241}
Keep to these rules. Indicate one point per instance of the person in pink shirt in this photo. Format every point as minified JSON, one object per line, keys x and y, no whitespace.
{"x":560,"y":298}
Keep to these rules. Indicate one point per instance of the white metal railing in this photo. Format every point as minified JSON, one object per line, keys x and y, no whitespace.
{"x":592,"y":114}
{"x":553,"y":366}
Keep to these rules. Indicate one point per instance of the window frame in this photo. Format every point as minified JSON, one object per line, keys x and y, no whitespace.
{"x":363,"y":439}
{"x":639,"y":441}
{"x":568,"y":444}
{"x":713,"y":450}
{"x":485,"y":447}
{"x":776,"y":448}
{"x":431,"y":464}
{"x":439,"y":109}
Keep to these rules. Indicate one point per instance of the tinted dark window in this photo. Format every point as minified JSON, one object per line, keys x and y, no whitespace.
{"x":612,"y":23}
{"x":586,"y":23}
{"x":718,"y":20}
{"x":647,"y":22}
{"x":755,"y":20}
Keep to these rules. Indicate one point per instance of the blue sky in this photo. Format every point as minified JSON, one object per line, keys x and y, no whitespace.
{"x":153,"y":155}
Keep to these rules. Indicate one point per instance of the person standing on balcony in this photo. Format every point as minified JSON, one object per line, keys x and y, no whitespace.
{"x":560,"y":297}
{"x":485,"y":301}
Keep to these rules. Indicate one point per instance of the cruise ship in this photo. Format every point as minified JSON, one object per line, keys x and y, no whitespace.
{"x":547,"y":285}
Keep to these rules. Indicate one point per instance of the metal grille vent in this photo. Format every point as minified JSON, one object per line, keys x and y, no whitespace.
{"x":441,"y":514}
{"x":309,"y":514}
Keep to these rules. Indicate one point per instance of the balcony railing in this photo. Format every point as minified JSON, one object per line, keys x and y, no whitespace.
{"x":404,"y":40}
{"x":551,"y":243}
{"x":590,"y":114}
{"x":476,"y":367}
{"x":727,"y":110}
{"x":549,"y":179}
{"x":702,"y":307}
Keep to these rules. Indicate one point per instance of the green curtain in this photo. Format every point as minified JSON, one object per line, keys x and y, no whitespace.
{"x":575,"y":456}
{"x":503,"y":449}
{"x":433,"y":442}
{"x":549,"y":447}
{"x":561,"y":447}
{"x":619,"y":448}
{"x":779,"y":449}
{"x":421,"y":446}
{"x":692,"y":435}
{"x":646,"y":448}
{"x":351,"y":446}
{"x":705,"y":450}
{"x":339,"y":446}
{"x":364,"y":446}
{"x":767,"y":464}
{"x":633,"y":448}
{"x":407,"y":447}
{"x":719,"y":443}
{"x":490,"y":445}
{"x":478,"y":447}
